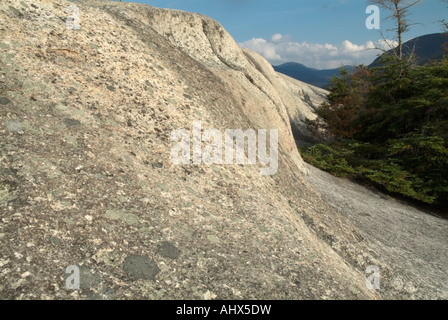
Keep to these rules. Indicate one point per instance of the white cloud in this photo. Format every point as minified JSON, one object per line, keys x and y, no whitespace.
{"x":276,"y":38}
{"x":280,"y":49}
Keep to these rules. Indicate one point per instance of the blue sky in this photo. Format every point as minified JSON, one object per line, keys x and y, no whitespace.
{"x":320,"y":33}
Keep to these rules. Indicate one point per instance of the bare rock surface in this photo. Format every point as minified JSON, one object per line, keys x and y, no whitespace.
{"x":413,"y":242}
{"x":302,"y":106}
{"x":86,"y":177}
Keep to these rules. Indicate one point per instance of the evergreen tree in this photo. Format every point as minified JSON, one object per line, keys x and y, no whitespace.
{"x":390,"y":127}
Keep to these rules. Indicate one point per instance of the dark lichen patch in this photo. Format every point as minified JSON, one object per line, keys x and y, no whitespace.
{"x":72,"y":90}
{"x":55,"y":241}
{"x":140,"y":268}
{"x":69,"y":122}
{"x":4,"y":46}
{"x":121,"y":215}
{"x":16,"y":11}
{"x":93,"y":296}
{"x":88,"y":279}
{"x":168,"y":250}
{"x":7,"y":191}
{"x":4,"y":101}
{"x":14,"y":126}
{"x":157,"y":165}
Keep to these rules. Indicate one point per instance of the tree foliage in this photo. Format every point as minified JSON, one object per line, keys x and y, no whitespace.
{"x":388,"y":126}
{"x":400,"y":13}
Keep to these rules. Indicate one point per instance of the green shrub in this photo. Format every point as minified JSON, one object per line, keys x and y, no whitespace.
{"x":388,"y":126}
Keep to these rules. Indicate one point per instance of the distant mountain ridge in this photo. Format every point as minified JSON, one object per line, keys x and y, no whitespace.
{"x":318,"y":78}
{"x":428,"y":47}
